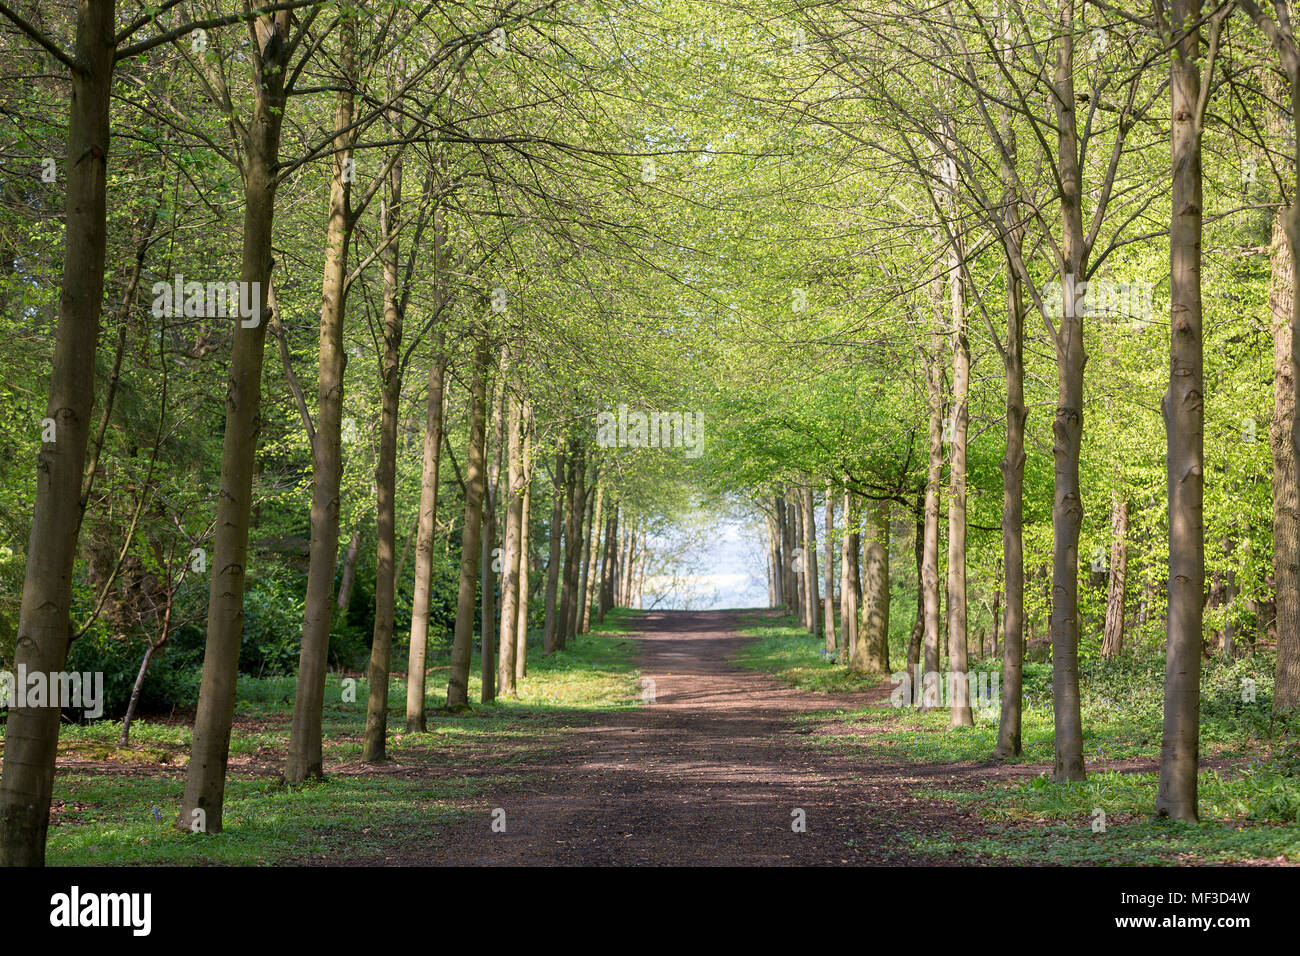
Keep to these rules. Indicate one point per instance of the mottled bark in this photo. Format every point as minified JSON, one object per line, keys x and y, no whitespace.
{"x":488,"y":554}
{"x":374,"y":743}
{"x":850,"y":582}
{"x":828,"y":573}
{"x":44,"y":627}
{"x":1113,"y":638}
{"x":1067,"y":427}
{"x":205,"y":783}
{"x":553,"y":556}
{"x":525,"y":550}
{"x":417,"y":655}
{"x":304,"y":760}
{"x":510,"y":558}
{"x":590,"y":553}
{"x":871,"y":651}
{"x":349,"y":575}
{"x":462,"y":647}
{"x":1183,"y":410}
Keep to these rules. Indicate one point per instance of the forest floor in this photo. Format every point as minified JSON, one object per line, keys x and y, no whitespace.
{"x":664,"y":738}
{"x":727,"y":765}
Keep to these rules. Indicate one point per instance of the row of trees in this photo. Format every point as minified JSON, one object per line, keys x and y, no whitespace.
{"x":430,"y":190}
{"x":978,"y":172}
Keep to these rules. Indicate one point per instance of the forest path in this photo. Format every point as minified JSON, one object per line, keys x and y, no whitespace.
{"x":709,"y":773}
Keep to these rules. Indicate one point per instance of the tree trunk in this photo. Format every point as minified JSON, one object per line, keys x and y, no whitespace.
{"x":934,"y":476}
{"x":32,"y":733}
{"x":488,"y":552}
{"x":205,"y":783}
{"x":511,"y":555}
{"x":304,"y":759}
{"x":849,"y":583}
{"x":778,"y":559}
{"x":871,"y":651}
{"x":1286,"y":499}
{"x":462,"y":647}
{"x":801,"y":559}
{"x":553,"y":552}
{"x":374,"y":744}
{"x":1067,"y":428}
{"x":419,"y":641}
{"x":609,"y":564}
{"x":812,"y":603}
{"x":525,"y":544}
{"x":957,"y":629}
{"x":591,"y":547}
{"x":1113,"y":640}
{"x":918,"y":625}
{"x":784,"y":546}
{"x":1183,"y":408}
{"x":349,"y":569}
{"x":641,"y":569}
{"x":828,"y":574}
{"x":577,"y":495}
{"x":1013,"y":473}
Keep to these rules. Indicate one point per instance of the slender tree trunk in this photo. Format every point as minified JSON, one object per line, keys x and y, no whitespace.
{"x":511,"y":556}
{"x":487,"y":551}
{"x":934,"y":476}
{"x":1067,"y":428}
{"x":1183,"y":409}
{"x":427,"y":520}
{"x":419,"y":640}
{"x":871,"y":652}
{"x":957,"y":625}
{"x":800,"y":563}
{"x":576,"y":494}
{"x":918,"y":625}
{"x":1013,"y":482}
{"x":849,"y":586}
{"x":778,"y":554}
{"x":624,"y":560}
{"x":374,"y":744}
{"x":1113,"y":640}
{"x":462,"y":648}
{"x":609,"y":563}
{"x":154,"y":647}
{"x":525,"y":545}
{"x":783,"y":553}
{"x":553,"y":554}
{"x":828,"y":573}
{"x":205,"y":784}
{"x":304,"y":760}
{"x":641,"y":569}
{"x":349,"y":575}
{"x":812,"y":602}
{"x":591,"y":548}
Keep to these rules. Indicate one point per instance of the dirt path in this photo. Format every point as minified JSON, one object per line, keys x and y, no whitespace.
{"x":710,"y":773}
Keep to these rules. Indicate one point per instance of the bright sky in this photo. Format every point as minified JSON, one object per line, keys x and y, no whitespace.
{"x":731,"y":574}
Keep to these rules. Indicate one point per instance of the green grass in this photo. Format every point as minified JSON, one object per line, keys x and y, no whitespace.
{"x":1250,"y":810}
{"x":125,"y":813}
{"x":124,"y":820}
{"x":790,"y":654}
{"x":1135,"y":844}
